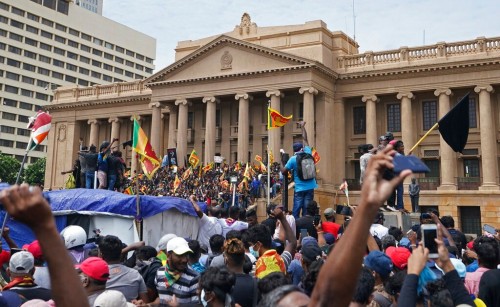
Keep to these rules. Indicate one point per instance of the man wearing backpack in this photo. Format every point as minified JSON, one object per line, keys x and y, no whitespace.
{"x":304,"y":174}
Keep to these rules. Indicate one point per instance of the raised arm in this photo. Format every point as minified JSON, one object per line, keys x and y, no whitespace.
{"x":8,"y":239}
{"x":27,"y":204}
{"x":338,"y":277}
{"x":196,"y":208}
{"x":304,"y":133}
{"x":291,"y":240}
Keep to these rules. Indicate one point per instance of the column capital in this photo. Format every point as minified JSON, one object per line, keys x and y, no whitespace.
{"x":373,"y":98}
{"x":276,"y":93}
{"x":138,"y":117}
{"x":486,"y":87}
{"x":210,"y":99}
{"x":408,"y":95}
{"x":310,"y":90}
{"x":114,"y":120}
{"x":93,"y":122}
{"x":181,"y":101}
{"x":443,"y":91}
{"x":244,"y":96}
{"x":155,"y":104}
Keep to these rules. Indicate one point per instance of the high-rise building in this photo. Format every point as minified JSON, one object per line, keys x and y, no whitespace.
{"x":91,"y":5}
{"x":48,"y":44}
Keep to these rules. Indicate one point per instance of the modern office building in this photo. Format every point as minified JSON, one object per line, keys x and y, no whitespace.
{"x":48,"y":44}
{"x":91,"y":5}
{"x":214,"y":99}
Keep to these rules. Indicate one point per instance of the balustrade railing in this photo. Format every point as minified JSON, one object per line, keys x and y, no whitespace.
{"x":84,"y":93}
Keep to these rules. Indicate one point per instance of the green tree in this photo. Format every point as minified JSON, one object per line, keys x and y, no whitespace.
{"x":34,"y":174}
{"x":9,"y":167}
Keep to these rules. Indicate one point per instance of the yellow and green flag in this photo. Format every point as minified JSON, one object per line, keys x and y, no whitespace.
{"x":275,"y":119}
{"x":141,"y":145}
{"x":194,"y":160}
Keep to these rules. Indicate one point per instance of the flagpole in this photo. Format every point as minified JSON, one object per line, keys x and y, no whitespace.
{"x":138,"y":201}
{"x":268,"y":156}
{"x":4,"y":222}
{"x":423,"y":138}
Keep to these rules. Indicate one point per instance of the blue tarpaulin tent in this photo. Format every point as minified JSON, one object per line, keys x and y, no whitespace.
{"x":114,"y":213}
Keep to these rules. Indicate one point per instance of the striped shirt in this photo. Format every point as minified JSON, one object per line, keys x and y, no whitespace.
{"x":184,"y":289}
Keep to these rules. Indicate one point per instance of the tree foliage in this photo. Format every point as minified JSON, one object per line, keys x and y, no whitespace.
{"x":34,"y":174}
{"x":9,"y":167}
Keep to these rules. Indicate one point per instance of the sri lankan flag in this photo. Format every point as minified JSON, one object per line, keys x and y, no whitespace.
{"x":247,"y":174}
{"x":208,"y":167}
{"x":194,"y":160}
{"x":140,"y":144}
{"x":275,"y":119}
{"x":315,"y":155}
{"x":177,"y":183}
{"x":128,"y":191}
{"x":261,"y":165}
{"x":187,"y":173}
{"x":243,"y":186}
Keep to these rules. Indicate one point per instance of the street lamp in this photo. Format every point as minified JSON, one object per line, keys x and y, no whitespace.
{"x":233,"y":179}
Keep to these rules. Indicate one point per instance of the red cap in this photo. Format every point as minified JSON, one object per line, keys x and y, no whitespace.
{"x":470,"y":245}
{"x":95,"y":267}
{"x":34,"y":248}
{"x":399,"y":256}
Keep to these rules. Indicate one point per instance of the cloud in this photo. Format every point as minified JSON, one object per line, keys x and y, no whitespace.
{"x":380,"y":25}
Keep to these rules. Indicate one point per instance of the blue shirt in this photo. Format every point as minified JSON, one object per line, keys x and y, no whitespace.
{"x":300,"y":185}
{"x":102,"y":162}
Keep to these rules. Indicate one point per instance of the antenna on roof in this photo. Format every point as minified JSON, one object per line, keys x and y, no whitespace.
{"x":354,"y":20}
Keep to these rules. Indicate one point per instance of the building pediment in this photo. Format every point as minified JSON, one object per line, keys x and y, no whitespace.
{"x":226,"y":56}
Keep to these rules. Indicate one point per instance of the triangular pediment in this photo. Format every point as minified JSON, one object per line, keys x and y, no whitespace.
{"x":226,"y":56}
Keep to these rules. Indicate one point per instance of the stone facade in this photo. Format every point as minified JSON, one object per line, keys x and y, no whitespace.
{"x":214,"y":99}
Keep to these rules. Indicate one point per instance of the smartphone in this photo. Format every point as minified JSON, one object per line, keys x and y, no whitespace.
{"x":303,"y":233}
{"x":489,"y":229}
{"x":429,"y":235}
{"x":317,"y":219}
{"x":410,"y":162}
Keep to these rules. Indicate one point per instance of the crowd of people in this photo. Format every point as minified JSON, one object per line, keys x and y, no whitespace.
{"x":236,"y":260}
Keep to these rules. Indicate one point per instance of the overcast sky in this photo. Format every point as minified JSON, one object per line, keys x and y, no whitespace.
{"x":380,"y":24}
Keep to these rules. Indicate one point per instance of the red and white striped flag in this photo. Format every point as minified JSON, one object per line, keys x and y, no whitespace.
{"x":40,"y":125}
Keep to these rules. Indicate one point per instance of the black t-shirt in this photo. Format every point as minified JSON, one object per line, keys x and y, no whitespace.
{"x":306,"y":222}
{"x":244,"y":291}
{"x":88,"y":162}
{"x":32,"y":292}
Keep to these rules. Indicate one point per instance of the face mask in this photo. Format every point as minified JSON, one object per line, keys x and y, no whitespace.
{"x":202,"y":298}
{"x":254,"y":252}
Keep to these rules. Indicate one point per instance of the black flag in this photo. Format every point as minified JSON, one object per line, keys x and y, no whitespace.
{"x":454,"y":126}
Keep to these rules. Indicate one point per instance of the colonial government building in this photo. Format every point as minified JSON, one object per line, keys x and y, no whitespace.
{"x":214,"y":99}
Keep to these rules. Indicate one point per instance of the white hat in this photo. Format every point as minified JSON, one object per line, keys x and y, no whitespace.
{"x":179,"y":246}
{"x":112,"y":298}
{"x":21,"y":262}
{"x":162,"y":244}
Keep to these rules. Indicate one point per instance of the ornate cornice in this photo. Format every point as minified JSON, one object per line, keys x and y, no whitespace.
{"x":98,"y":102}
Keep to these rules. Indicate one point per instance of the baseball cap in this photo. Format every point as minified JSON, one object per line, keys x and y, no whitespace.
{"x":95,"y":268}
{"x":399,"y":256}
{"x":34,"y":248}
{"x":378,"y":262}
{"x":112,"y":298}
{"x":21,"y":262}
{"x":329,"y":238}
{"x":10,"y":299}
{"x":329,"y":212}
{"x":179,"y":246}
{"x":459,"y":266}
{"x":308,"y":240}
{"x":297,"y":146}
{"x":162,"y":244}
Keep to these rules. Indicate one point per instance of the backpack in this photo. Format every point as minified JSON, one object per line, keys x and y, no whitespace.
{"x":306,"y":169}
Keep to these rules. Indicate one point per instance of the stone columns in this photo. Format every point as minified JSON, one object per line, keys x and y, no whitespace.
{"x":407,"y":133}
{"x":94,"y":132}
{"x":309,"y":118}
{"x":172,"y":127}
{"x":115,"y":127}
{"x":371,"y":119}
{"x":447,"y":155}
{"x":133,"y":161}
{"x":274,"y":140}
{"x":243,"y":126}
{"x":339,"y":141}
{"x":489,"y":164}
{"x":210,"y":128}
{"x":156,"y":127}
{"x":182,"y":131}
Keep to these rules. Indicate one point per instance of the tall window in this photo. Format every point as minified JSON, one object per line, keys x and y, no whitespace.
{"x":190,"y":120}
{"x":472,"y":113}
{"x":359,"y":119}
{"x":434,"y":167}
{"x":470,"y":219}
{"x":429,"y":114}
{"x":394,"y":117}
{"x":218,"y":119}
{"x":471,"y":167}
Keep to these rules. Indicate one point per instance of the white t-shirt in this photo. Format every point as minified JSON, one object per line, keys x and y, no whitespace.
{"x":229,"y":224}
{"x":209,"y":226}
{"x":379,"y":230}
